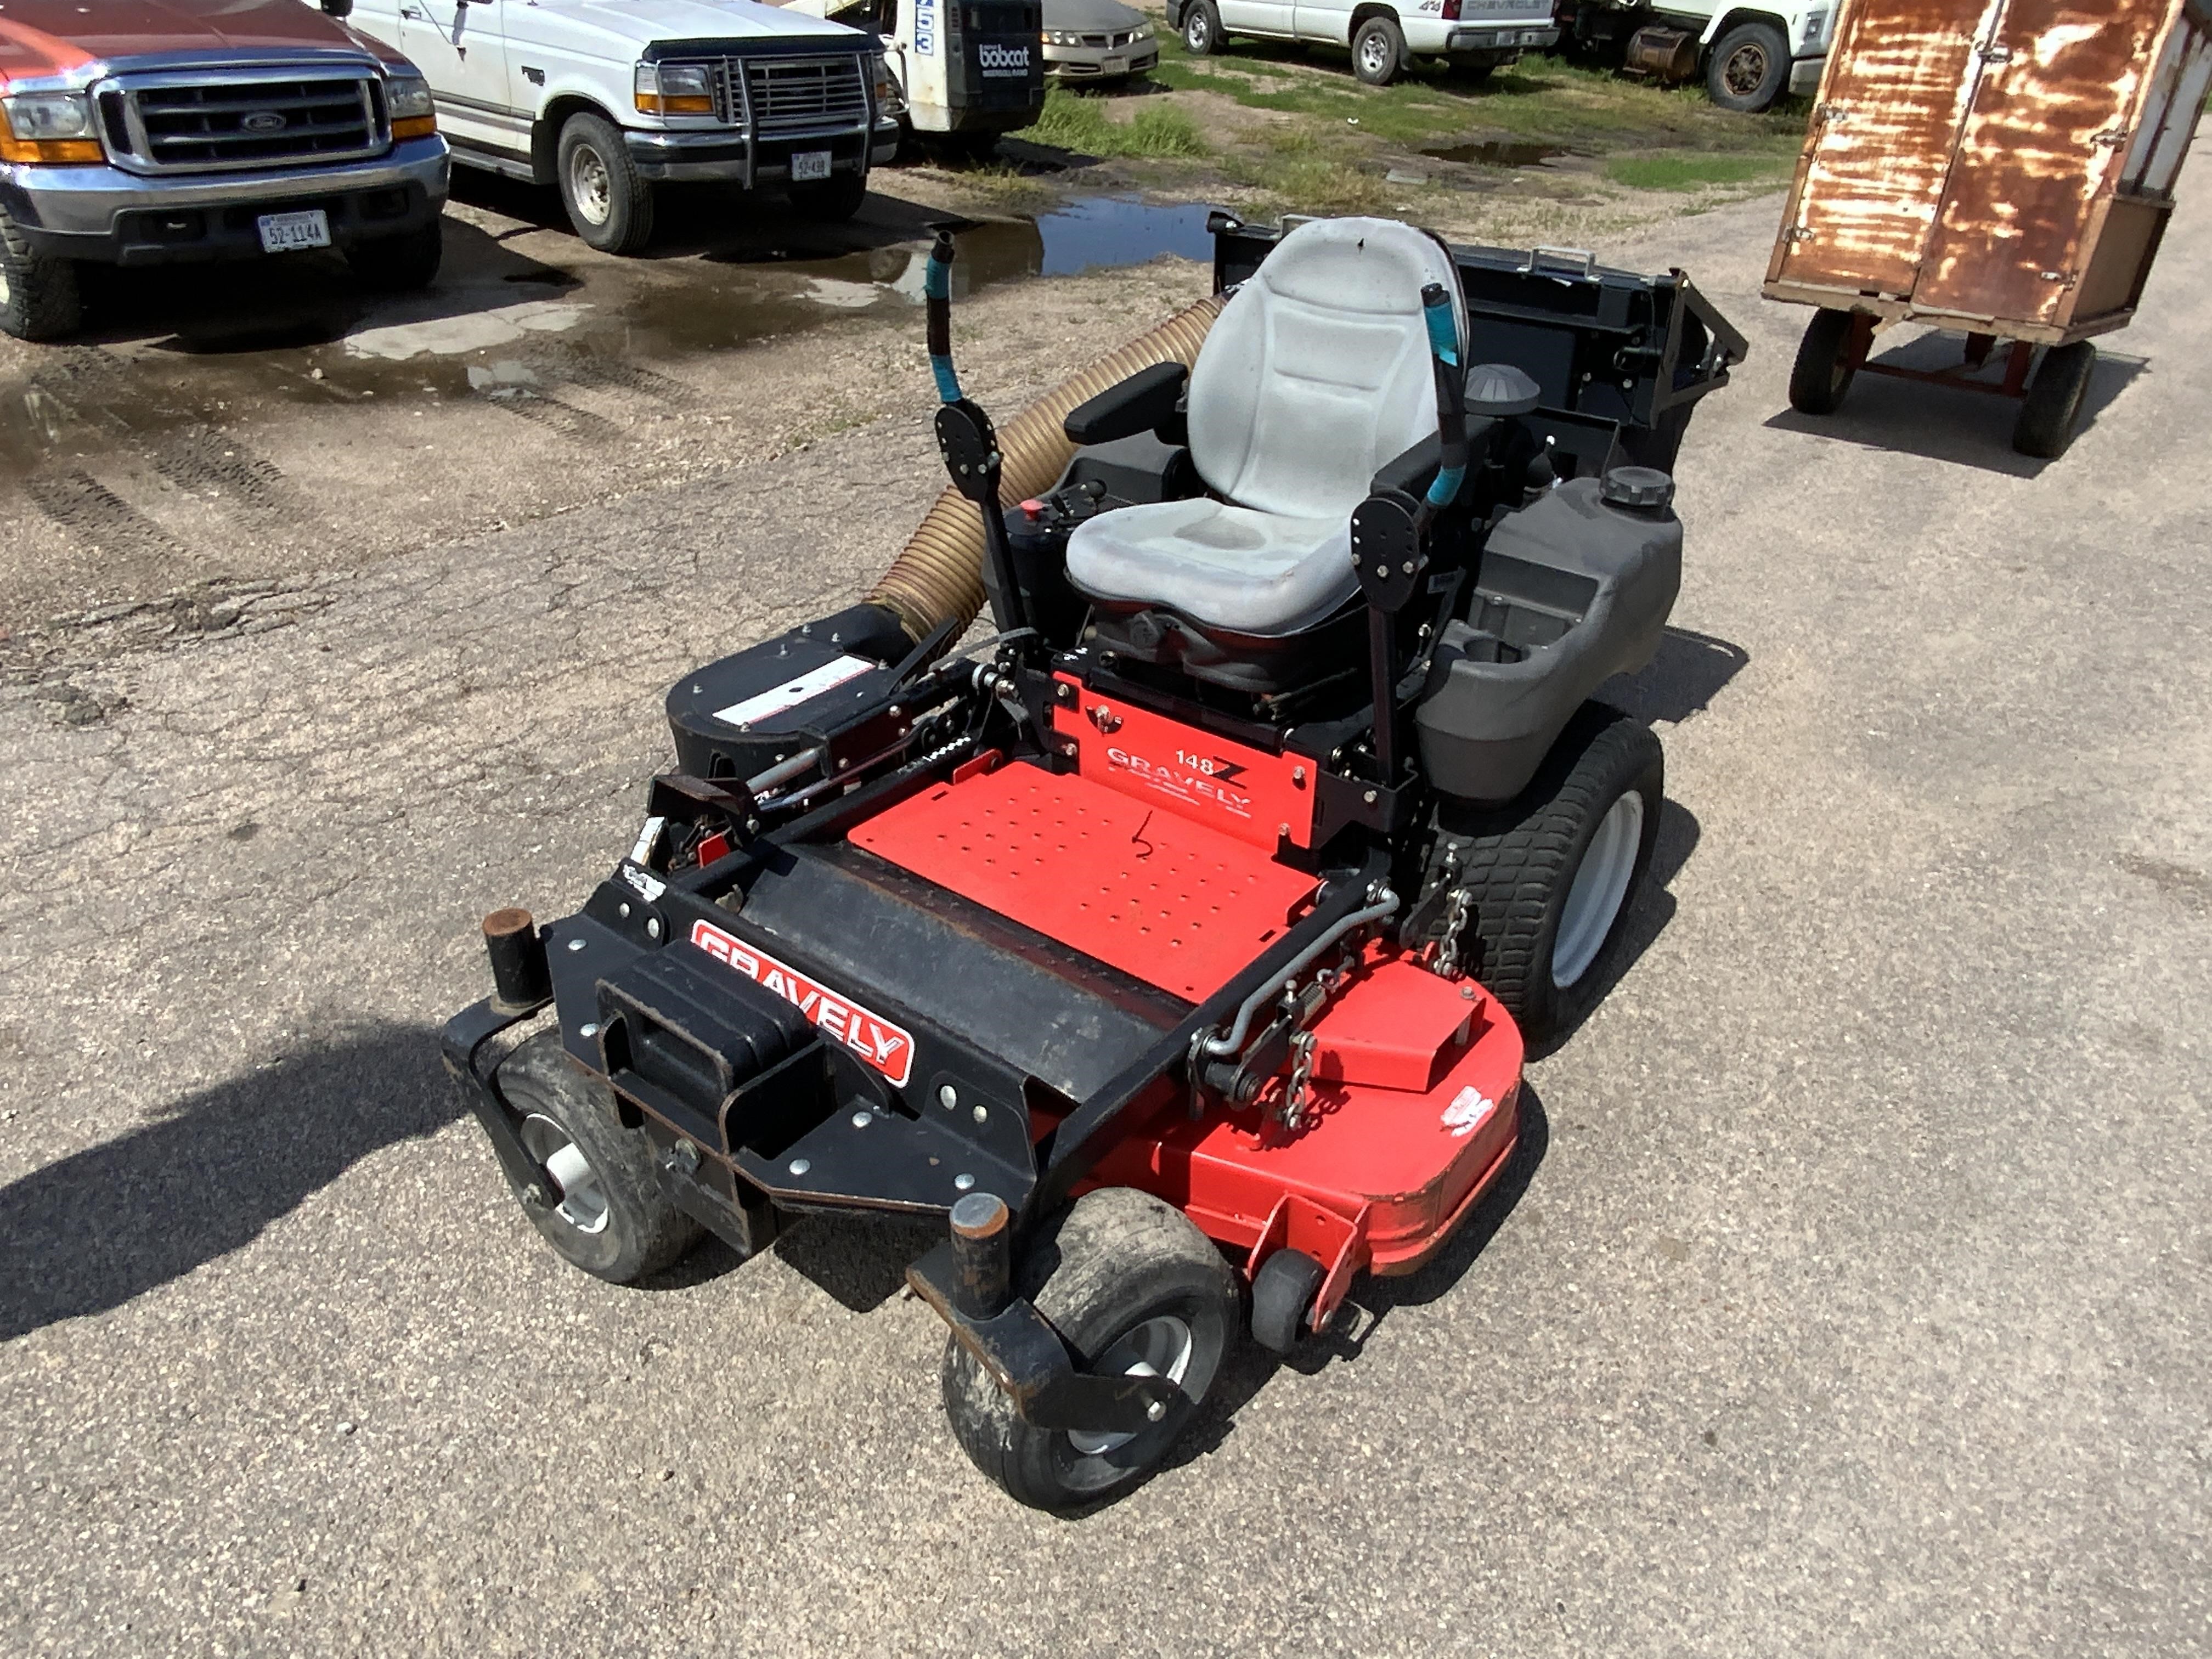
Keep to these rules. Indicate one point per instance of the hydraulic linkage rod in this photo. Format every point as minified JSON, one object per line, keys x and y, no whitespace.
{"x":966,"y":437}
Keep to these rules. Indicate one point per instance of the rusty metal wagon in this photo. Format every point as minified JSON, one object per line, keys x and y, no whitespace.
{"x":1999,"y":169}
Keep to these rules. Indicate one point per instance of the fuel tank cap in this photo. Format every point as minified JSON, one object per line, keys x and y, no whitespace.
{"x":1643,"y":489}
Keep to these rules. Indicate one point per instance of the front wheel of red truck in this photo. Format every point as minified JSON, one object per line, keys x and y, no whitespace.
{"x":39,"y":295}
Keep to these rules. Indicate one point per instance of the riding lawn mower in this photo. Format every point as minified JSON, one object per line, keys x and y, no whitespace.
{"x":1175,"y":942}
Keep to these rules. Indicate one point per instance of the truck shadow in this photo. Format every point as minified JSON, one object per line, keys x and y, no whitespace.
{"x":714,"y":222}
{"x":93,"y":1229}
{"x":302,"y":299}
{"x":1945,"y":423}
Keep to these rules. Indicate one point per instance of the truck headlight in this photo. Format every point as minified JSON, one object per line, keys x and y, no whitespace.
{"x":407,"y":101}
{"x":48,"y":127}
{"x":675,"y":89}
{"x":889,"y":101}
{"x":1816,"y":24}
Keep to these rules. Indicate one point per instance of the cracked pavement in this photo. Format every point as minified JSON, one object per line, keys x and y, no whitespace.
{"x":1854,"y":1301}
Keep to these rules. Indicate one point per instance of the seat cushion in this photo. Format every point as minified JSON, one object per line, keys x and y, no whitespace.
{"x":1318,"y":370}
{"x":1218,"y":566}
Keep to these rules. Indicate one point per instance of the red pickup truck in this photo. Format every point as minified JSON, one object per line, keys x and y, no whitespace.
{"x":136,"y":132}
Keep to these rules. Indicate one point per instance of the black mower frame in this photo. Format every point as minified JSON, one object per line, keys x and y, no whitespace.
{"x":1619,"y":358}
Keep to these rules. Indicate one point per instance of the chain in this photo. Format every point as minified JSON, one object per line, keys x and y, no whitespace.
{"x":1298,"y":1093}
{"x":1446,"y":963}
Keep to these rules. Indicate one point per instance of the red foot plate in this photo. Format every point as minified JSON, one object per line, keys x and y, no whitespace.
{"x":1166,"y":901}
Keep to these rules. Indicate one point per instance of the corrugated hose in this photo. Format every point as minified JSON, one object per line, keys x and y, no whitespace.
{"x":939,"y":575}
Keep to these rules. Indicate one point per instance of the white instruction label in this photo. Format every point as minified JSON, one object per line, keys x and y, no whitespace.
{"x":792,"y":693}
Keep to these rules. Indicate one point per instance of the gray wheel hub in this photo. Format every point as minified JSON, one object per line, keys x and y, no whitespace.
{"x":578,"y":1199}
{"x":1160,"y":1346}
{"x":1600,"y":884}
{"x":589,"y":186}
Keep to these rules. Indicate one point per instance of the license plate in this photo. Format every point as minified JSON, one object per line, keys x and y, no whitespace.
{"x":1114,"y":66}
{"x":281,"y":233}
{"x":810,"y":164}
{"x":1532,"y":38}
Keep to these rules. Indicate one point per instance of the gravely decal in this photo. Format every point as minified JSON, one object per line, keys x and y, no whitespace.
{"x":1196,"y":779}
{"x":888,"y":1048}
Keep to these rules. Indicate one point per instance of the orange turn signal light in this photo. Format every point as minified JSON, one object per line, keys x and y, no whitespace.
{"x":50,"y":152}
{"x":415,"y":126}
{"x":652,"y":103}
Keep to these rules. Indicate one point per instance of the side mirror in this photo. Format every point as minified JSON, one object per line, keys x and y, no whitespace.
{"x":339,"y":8}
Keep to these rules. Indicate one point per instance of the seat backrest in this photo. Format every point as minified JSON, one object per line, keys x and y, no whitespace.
{"x":1317,"y":372}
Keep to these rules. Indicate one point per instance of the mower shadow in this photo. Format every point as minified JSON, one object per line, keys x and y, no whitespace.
{"x":1682,"y":678}
{"x":90,"y":1231}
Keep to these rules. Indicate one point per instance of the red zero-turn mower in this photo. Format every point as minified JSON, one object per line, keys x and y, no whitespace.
{"x":1177,"y":942}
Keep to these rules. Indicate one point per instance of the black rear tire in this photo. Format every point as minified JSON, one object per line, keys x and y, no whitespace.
{"x":2053,"y":405}
{"x":1201,"y":28}
{"x":1523,"y":866}
{"x":1748,"y":68}
{"x":1282,"y":1296}
{"x":832,"y":200}
{"x":613,"y":1220}
{"x":1823,"y":371}
{"x":1117,"y":1265}
{"x":1378,"y":51}
{"x":40,"y":298}
{"x":400,"y":264}
{"x":609,"y":205}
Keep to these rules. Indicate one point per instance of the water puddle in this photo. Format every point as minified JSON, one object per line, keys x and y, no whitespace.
{"x":1498,"y":152}
{"x":208,"y":347}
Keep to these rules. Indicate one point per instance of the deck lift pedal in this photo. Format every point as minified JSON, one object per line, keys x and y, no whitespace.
{"x":1176,"y":943}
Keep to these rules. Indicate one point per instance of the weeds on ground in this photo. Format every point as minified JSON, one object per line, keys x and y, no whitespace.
{"x":1084,"y":122}
{"x":1546,"y":99}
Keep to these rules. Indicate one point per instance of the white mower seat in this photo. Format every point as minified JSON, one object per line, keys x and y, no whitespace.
{"x":1315,"y":375}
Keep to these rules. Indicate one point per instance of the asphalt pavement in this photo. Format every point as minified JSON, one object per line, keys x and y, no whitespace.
{"x":1852,"y":1299}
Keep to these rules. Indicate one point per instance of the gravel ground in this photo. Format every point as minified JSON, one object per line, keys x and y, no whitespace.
{"x":1853,"y":1302}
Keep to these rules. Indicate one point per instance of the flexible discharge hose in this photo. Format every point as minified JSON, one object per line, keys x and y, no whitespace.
{"x":939,"y":575}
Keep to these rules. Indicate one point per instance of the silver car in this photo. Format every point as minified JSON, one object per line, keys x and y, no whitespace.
{"x":1097,"y":40}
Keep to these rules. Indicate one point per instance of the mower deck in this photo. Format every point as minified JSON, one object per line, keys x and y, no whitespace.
{"x":1412,"y":1086}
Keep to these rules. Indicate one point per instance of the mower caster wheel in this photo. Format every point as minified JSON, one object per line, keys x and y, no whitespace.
{"x":1282,"y":1292}
{"x":597,"y":1199}
{"x":1132,"y":1286}
{"x":1560,"y":868}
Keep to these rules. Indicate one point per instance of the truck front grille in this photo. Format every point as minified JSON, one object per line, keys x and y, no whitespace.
{"x":792,"y":95}
{"x":231,"y":122}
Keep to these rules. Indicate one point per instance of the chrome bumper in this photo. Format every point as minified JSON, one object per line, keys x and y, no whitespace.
{"x":87,"y":200}
{"x":728,"y":157}
{"x":1509,"y":37}
{"x":1805,"y":76}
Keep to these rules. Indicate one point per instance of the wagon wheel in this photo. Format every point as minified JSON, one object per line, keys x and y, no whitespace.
{"x":2054,"y":400}
{"x":1825,"y":364}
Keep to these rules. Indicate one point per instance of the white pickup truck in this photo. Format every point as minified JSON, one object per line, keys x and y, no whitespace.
{"x":1747,"y":55}
{"x":1473,"y":35}
{"x":606,"y":101}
